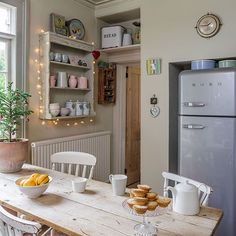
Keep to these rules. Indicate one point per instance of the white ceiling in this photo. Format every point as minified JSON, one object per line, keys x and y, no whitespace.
{"x":98,"y":2}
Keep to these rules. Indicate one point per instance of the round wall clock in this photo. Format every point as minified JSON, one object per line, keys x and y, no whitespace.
{"x":76,"y":28}
{"x":208,"y":25}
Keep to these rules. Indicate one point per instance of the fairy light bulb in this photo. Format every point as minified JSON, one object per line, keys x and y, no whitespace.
{"x":75,"y":124}
{"x":67,"y":124}
{"x":41,"y":64}
{"x":38,"y":86}
{"x":94,"y":72}
{"x":35,"y":60}
{"x":43,"y":122}
{"x":36,"y":50}
{"x":91,"y":120}
{"x":94,"y":62}
{"x":57,"y":119}
{"x":82,"y":122}
{"x":92,"y":43}
{"x":38,"y":71}
{"x":42,"y":31}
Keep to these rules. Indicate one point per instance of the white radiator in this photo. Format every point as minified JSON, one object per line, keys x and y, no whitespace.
{"x":97,"y":144}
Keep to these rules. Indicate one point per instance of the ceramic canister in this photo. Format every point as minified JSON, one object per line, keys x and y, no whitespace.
{"x":82,"y":82}
{"x":78,"y":108}
{"x":86,"y":108}
{"x":71,"y":106}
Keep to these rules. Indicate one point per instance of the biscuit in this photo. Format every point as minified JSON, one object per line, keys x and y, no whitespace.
{"x":151,"y":196}
{"x":141,"y":201}
{"x":138,"y":192}
{"x":140,"y":209}
{"x":152,"y":205}
{"x":130,"y":202}
{"x":146,"y":188}
{"x":163,"y":201}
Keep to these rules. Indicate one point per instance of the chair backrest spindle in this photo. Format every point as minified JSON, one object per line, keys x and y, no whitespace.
{"x":79,"y":159}
{"x":203,"y":188}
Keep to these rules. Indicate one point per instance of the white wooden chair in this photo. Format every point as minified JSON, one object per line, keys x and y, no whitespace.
{"x":74,"y":158}
{"x":205,"y":190}
{"x":11,"y":225}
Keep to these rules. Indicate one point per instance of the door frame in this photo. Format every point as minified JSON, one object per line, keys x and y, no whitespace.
{"x":119,"y":118}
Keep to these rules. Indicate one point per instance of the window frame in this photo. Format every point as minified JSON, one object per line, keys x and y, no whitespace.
{"x":18,"y":48}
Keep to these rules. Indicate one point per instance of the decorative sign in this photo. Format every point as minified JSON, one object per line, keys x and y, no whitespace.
{"x":58,"y":24}
{"x":153,"y":66}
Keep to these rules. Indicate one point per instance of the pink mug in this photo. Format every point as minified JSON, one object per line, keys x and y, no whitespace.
{"x":53,"y":81}
{"x":82,"y":82}
{"x":72,"y":81}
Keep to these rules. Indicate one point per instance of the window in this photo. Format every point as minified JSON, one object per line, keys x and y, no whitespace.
{"x":7,"y":41}
{"x":12,"y":42}
{"x":13,"y":45}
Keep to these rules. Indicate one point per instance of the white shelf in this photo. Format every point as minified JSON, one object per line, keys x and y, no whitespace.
{"x":68,"y":117}
{"x":70,"y":65}
{"x":121,"y":49}
{"x":74,"y":89}
{"x":53,"y":42}
{"x":121,"y":54}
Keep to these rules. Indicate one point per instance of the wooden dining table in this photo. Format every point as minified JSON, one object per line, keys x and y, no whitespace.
{"x":96,"y":211}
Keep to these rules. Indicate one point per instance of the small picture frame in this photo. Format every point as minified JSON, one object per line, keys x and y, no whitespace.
{"x":153,"y":66}
{"x":58,"y":24}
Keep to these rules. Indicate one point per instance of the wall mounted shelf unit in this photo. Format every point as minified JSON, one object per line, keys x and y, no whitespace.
{"x":51,"y":42}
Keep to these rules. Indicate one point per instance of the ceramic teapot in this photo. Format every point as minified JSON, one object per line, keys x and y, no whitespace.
{"x":186,"y":198}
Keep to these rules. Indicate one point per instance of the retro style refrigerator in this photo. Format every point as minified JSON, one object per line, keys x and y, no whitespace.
{"x":207,"y":137}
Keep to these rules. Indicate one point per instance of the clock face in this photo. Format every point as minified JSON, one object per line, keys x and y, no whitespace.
{"x":208,"y":25}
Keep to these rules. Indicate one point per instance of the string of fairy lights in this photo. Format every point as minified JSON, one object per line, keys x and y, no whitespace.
{"x":55,"y":121}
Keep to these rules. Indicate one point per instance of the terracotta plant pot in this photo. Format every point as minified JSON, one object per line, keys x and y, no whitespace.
{"x":13,"y":155}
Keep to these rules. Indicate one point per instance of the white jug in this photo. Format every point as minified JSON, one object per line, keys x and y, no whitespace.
{"x":185,"y":198}
{"x":127,"y":39}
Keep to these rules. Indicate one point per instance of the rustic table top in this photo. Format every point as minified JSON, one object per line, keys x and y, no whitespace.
{"x":96,"y":211}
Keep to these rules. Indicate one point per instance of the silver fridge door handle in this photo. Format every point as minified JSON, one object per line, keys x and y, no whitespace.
{"x":194,"y":104}
{"x":193,"y":126}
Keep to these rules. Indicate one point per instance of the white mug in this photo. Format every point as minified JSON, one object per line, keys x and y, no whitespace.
{"x":79,"y":184}
{"x":118,"y":183}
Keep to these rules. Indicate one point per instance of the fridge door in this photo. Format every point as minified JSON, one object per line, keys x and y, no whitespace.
{"x":208,"y":92}
{"x":207,"y":153}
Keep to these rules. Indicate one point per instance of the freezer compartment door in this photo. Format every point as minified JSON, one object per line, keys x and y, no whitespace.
{"x":208,"y":92}
{"x":207,"y":154}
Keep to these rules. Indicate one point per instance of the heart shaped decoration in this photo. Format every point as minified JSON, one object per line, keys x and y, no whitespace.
{"x":96,"y":54}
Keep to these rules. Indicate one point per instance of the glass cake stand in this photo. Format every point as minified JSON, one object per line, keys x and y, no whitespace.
{"x":145,"y":228}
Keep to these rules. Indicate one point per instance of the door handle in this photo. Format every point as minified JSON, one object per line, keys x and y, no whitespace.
{"x":194,"y":104}
{"x":193,"y":126}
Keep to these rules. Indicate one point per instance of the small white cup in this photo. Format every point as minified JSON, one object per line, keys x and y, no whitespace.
{"x":119,"y":183}
{"x":79,"y":185}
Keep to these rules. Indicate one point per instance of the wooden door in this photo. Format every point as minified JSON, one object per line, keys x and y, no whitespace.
{"x":132,"y":149}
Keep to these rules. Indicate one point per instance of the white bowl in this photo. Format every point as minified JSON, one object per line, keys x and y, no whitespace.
{"x":65,"y":111}
{"x":32,"y":191}
{"x":79,"y":184}
{"x":54,"y":112}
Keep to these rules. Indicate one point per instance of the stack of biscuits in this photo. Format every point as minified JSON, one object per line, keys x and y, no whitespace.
{"x":142,"y":199}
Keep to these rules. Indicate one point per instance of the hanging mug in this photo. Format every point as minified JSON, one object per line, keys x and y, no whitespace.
{"x":82,"y":82}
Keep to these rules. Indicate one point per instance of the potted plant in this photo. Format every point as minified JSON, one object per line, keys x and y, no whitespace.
{"x":13,"y":110}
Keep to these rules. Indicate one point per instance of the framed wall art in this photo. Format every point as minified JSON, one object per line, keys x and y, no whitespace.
{"x":58,"y":24}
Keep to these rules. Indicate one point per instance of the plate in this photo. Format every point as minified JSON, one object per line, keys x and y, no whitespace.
{"x":76,"y":28}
